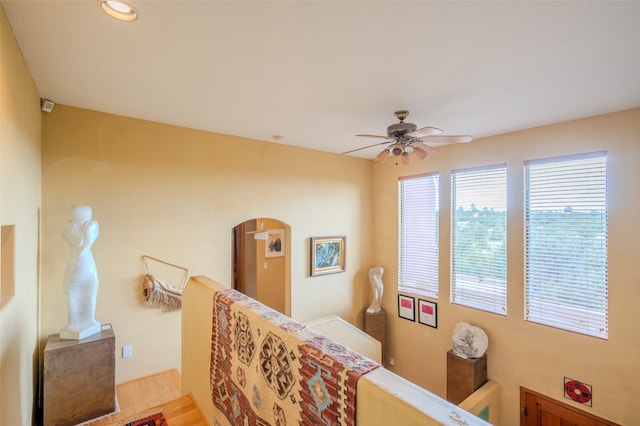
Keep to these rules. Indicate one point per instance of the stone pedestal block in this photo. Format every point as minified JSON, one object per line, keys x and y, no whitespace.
{"x":79,"y":378}
{"x":375,"y":325}
{"x":464,"y":376}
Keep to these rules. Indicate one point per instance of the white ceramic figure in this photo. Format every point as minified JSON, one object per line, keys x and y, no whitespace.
{"x":377,"y":287}
{"x":81,"y":277}
{"x":469,"y":341}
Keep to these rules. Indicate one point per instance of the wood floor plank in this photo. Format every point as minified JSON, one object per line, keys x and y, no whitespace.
{"x":161,"y":391}
{"x":183,"y":412}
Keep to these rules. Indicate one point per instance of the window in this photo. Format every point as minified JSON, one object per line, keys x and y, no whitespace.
{"x":566,"y":243}
{"x":418,"y":234}
{"x":479,"y":238}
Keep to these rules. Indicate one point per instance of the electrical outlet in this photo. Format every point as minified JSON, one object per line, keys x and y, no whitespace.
{"x":126,"y":351}
{"x":392,"y":361}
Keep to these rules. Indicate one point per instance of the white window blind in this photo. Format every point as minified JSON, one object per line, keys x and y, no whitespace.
{"x":418,"y":235}
{"x":566,"y":243}
{"x":479,"y":238}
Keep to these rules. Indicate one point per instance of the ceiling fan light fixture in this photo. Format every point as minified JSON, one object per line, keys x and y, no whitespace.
{"x":397,"y":150}
{"x":382,"y":157}
{"x":404,"y":159}
{"x":420,"y":153}
{"x":119,"y":9}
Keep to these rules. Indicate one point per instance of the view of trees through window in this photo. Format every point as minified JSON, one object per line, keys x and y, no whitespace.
{"x":479,"y":238}
{"x":574,"y":239}
{"x":480,"y":243}
{"x":566,"y":243}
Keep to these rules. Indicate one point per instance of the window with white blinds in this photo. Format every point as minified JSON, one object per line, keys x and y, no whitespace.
{"x":418,"y":235}
{"x":566,"y":243}
{"x":479,"y":238}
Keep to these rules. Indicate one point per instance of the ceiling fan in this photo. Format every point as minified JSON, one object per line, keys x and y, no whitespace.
{"x":405,"y":138}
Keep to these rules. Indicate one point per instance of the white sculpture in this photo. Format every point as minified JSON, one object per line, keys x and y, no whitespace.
{"x":469,"y":341}
{"x":377,"y":287}
{"x":81,"y":276}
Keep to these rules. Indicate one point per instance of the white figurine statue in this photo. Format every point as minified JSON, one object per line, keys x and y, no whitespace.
{"x":81,"y":276}
{"x":377,"y":287}
{"x":469,"y":341}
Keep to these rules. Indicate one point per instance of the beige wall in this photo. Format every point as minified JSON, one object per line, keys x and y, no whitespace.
{"x":20,"y":207}
{"x":175,"y":194}
{"x":521,"y":353}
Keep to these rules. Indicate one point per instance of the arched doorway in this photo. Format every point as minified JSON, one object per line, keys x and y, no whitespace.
{"x":261,"y":262}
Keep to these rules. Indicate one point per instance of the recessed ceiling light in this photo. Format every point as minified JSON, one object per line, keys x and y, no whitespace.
{"x":119,"y":10}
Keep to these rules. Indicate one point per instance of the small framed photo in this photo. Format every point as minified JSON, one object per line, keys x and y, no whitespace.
{"x":406,"y":307}
{"x":428,"y":313}
{"x":274,"y":244}
{"x":328,"y":255}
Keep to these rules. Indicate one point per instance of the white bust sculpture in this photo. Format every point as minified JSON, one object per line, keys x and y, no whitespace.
{"x":80,"y":276}
{"x":377,"y":287}
{"x":469,"y":341}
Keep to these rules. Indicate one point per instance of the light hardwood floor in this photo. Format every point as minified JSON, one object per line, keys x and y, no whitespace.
{"x":160,"y":390}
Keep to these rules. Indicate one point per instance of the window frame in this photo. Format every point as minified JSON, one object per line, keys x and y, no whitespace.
{"x":489,"y":294}
{"x":565,"y":313}
{"x":409,"y":280}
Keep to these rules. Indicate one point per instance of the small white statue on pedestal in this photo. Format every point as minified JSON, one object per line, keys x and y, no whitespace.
{"x":81,"y":276}
{"x":377,"y":287}
{"x":469,"y":341}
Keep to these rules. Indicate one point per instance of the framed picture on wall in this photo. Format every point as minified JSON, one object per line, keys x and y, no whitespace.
{"x":406,"y":307}
{"x":327,"y":255}
{"x":274,"y":244}
{"x":428,"y":313}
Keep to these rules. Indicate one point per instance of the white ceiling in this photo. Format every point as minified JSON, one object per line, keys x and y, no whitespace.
{"x":319,"y":72}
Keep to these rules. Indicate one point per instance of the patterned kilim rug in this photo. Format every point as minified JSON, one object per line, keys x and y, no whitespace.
{"x":149,"y":418}
{"x":267,"y":369}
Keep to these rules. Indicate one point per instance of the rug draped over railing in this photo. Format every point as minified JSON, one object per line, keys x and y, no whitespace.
{"x":267,"y":369}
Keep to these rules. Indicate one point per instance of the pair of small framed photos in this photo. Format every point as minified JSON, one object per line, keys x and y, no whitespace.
{"x":427,"y":311}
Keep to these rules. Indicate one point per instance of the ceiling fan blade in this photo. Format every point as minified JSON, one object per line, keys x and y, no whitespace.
{"x":425,"y":131}
{"x":365,"y":147}
{"x":376,"y":136}
{"x":446,"y":138}
{"x":426,"y":148}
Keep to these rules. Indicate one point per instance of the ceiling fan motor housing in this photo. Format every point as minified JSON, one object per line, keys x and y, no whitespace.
{"x":399,"y":129}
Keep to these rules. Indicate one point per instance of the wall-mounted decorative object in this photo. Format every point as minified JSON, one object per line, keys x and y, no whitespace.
{"x":7,"y":263}
{"x":163,"y":283}
{"x":274,"y":244}
{"x":577,"y":391}
{"x":428,"y":313}
{"x":406,"y":307}
{"x":328,"y":255}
